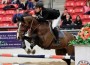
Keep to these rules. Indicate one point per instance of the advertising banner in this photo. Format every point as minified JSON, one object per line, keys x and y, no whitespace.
{"x":8,"y":40}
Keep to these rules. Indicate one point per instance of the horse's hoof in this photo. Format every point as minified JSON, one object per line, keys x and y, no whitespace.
{"x":33,"y":51}
{"x":28,"y":51}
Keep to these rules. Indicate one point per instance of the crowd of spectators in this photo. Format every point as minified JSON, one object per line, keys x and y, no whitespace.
{"x":66,"y":18}
{"x":67,"y":22}
{"x":23,"y":4}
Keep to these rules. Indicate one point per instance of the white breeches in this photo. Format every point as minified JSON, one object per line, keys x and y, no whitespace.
{"x":56,"y":22}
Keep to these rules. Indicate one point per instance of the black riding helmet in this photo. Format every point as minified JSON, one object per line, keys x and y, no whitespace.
{"x":39,"y":5}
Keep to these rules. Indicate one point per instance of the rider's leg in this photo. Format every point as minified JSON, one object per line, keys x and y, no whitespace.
{"x":56,"y":33}
{"x":55,"y":24}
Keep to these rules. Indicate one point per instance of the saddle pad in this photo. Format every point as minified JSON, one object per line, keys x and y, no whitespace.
{"x":61,"y":34}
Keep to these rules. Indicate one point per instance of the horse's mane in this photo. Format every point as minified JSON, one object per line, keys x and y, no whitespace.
{"x":29,"y":19}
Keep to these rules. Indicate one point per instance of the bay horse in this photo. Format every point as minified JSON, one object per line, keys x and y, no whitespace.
{"x":41,"y":35}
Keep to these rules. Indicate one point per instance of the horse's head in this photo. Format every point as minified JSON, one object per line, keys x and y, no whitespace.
{"x":21,"y":30}
{"x":28,"y":24}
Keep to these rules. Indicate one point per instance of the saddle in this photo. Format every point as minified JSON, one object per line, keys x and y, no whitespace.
{"x":61,"y":34}
{"x":56,"y":31}
{"x":58,"y":35}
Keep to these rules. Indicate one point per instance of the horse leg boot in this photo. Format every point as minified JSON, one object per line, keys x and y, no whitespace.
{"x":56,"y":33}
{"x":29,"y":40}
{"x":23,"y":44}
{"x":33,"y":43}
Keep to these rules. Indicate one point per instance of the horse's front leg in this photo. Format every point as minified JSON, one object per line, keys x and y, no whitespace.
{"x":30,"y":40}
{"x":32,"y":44}
{"x":23,"y":44}
{"x":20,"y":37}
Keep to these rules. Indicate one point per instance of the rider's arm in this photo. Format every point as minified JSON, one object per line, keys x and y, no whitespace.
{"x":43,"y":19}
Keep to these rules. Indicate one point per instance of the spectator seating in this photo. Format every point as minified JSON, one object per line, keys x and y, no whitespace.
{"x":6,"y":16}
{"x":2,"y":12}
{"x":75,"y":7}
{"x":79,"y":3}
{"x":10,"y":12}
{"x":78,"y":11}
{"x":86,"y":18}
{"x":69,"y":4}
{"x":71,"y":11}
{"x":2,"y":6}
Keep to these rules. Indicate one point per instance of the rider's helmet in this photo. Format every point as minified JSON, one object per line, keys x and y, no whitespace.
{"x":39,"y":5}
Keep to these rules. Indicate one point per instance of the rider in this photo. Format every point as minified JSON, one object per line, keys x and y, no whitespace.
{"x":44,"y":14}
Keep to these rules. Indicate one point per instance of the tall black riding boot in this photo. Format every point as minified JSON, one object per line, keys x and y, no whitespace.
{"x":57,"y":36}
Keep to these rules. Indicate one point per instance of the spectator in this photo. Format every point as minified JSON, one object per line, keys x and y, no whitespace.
{"x":8,"y":7}
{"x":87,"y":8}
{"x":67,"y":21}
{"x":23,"y":4}
{"x":34,"y":1}
{"x":30,"y":4}
{"x":78,"y":21}
{"x":18,"y":16}
{"x":63,"y":16}
{"x":4,"y":1}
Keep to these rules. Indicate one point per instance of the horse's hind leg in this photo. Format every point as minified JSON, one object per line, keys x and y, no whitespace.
{"x":63,"y":52}
{"x":68,"y":61}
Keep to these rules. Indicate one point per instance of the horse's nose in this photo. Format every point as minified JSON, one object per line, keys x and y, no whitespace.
{"x":18,"y":38}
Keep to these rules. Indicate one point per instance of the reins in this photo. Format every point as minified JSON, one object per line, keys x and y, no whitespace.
{"x":35,"y":27}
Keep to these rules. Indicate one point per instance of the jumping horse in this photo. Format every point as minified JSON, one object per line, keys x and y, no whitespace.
{"x":40,"y":34}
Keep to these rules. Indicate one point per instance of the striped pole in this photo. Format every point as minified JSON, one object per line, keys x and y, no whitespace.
{"x":38,"y":56}
{"x":14,"y":64}
{"x":10,"y":64}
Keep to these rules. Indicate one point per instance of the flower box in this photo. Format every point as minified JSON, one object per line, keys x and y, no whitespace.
{"x":82,"y":46}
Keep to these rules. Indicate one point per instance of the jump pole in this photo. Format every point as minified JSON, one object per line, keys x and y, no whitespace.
{"x":39,"y":56}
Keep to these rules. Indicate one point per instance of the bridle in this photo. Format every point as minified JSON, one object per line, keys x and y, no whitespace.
{"x":32,"y":25}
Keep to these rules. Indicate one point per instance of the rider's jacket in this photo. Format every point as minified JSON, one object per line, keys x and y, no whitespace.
{"x":48,"y":14}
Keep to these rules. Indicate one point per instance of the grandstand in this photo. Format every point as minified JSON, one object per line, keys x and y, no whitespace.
{"x":74,"y":7}
{"x":6,"y":23}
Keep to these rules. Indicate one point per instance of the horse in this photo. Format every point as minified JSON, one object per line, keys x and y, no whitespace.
{"x":40,"y":34}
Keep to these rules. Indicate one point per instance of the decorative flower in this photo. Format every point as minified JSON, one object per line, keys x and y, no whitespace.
{"x":83,"y":36}
{"x":84,"y":33}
